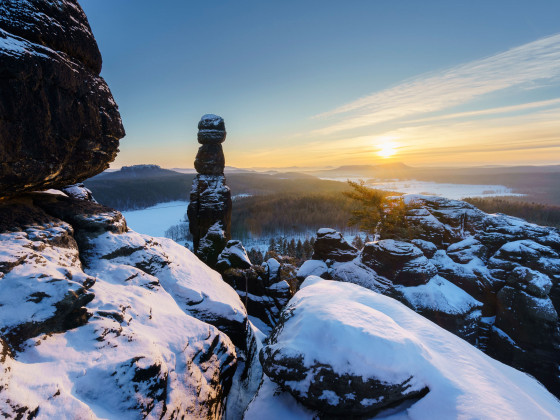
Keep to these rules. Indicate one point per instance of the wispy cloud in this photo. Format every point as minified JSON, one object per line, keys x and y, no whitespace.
{"x":490,"y":111}
{"x":526,"y":66}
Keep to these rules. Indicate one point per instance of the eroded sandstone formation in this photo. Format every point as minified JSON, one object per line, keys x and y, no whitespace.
{"x":59,"y":123}
{"x":489,"y":278}
{"x":209,"y":209}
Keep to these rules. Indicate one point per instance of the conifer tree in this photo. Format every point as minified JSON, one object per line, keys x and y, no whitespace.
{"x":291,"y":249}
{"x":284,"y":250}
{"x":272,"y":245}
{"x":307,"y":249}
{"x":357,"y":242}
{"x":299,"y":250}
{"x":255,"y":256}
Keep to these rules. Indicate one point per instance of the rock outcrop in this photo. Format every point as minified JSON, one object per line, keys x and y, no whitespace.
{"x":150,"y":327}
{"x":491,"y":279}
{"x":59,"y":123}
{"x":342,"y":351}
{"x":265,"y":289}
{"x":331,"y":245}
{"x":209,"y":209}
{"x":402,"y":262}
{"x":234,"y":255}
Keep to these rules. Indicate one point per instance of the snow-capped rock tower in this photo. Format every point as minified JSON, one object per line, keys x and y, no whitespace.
{"x":209,"y":209}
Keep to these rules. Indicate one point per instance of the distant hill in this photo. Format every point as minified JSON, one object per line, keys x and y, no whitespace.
{"x":142,"y":186}
{"x":136,"y":171}
{"x":228,"y":170}
{"x":389,"y":171}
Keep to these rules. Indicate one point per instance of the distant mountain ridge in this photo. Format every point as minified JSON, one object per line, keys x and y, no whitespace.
{"x":539,"y":183}
{"x":137,"y":171}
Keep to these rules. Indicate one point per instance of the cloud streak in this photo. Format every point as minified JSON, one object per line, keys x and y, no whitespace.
{"x":526,"y":66}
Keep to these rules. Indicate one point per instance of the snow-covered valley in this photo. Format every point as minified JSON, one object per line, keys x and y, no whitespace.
{"x":447,"y":190}
{"x":155,"y":220}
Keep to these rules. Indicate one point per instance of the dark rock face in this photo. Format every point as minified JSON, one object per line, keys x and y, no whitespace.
{"x":50,"y":71}
{"x":264,"y":290}
{"x":209,"y":209}
{"x":402,"y":262}
{"x":330,"y":245}
{"x":234,"y":255}
{"x":60,"y":25}
{"x":210,"y":159}
{"x":493,"y":280}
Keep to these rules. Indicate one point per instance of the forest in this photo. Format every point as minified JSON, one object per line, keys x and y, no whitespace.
{"x":539,"y":213}
{"x":148,"y":186}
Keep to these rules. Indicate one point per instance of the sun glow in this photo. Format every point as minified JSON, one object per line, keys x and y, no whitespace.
{"x":387,"y":148}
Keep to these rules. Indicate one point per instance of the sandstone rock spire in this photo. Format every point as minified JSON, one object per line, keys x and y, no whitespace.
{"x":209,"y":209}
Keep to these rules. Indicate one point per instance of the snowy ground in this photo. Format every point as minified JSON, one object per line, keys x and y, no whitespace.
{"x":155,"y":220}
{"x":452,"y":191}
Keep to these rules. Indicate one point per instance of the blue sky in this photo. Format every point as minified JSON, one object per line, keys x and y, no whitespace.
{"x":312,"y":83}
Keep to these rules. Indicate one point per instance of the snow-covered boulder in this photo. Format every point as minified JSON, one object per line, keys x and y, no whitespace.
{"x":465,"y":251}
{"x":272,"y":267}
{"x":533,"y":282}
{"x":331,"y":245}
{"x":334,"y":337}
{"x":301,"y":357}
{"x":79,"y":192}
{"x":234,"y":255}
{"x":428,"y":248}
{"x":312,"y":268}
{"x":358,"y":273}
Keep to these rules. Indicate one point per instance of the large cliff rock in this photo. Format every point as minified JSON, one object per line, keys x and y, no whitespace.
{"x":209,"y":209}
{"x":59,"y":123}
{"x":489,"y":278}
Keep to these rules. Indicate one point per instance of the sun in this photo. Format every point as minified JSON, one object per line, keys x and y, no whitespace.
{"x":387,"y":149}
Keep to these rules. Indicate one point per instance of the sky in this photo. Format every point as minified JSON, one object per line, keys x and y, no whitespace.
{"x":328,"y":83}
